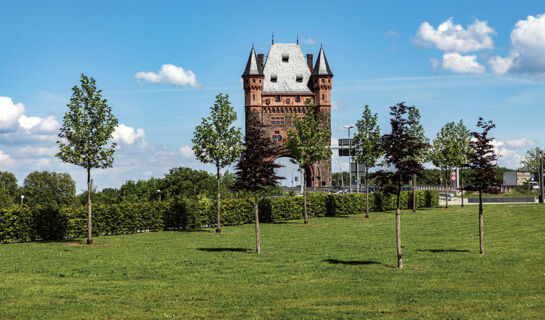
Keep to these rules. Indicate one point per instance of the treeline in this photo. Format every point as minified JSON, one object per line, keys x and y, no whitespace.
{"x":26,"y":223}
{"x":58,"y":190}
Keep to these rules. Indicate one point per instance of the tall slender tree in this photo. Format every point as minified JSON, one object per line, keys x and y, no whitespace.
{"x":461,"y":139}
{"x":216,"y":140}
{"x":402,"y":150}
{"x":417,"y":131}
{"x":308,"y":142}
{"x":86,"y":135}
{"x":483,"y":163}
{"x":367,"y":148}
{"x":255,"y":169}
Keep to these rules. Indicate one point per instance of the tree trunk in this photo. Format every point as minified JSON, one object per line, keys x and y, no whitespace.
{"x":462,"y":187}
{"x":257,"y":234}
{"x":218,"y":227}
{"x":481,"y":231}
{"x":398,"y":230}
{"x":414,"y":192}
{"x":305,"y":200}
{"x":89,"y":215}
{"x":366,"y":194}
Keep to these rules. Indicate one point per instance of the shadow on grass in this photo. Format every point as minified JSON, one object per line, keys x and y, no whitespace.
{"x":442,"y":250}
{"x":352,"y":262}
{"x":223,"y":249}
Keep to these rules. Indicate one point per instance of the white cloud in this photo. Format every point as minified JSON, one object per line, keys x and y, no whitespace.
{"x":28,"y":151}
{"x":434,"y":65}
{"x":187,"y":152}
{"x":452,"y":37}
{"x":5,"y":159}
{"x":10,"y":113}
{"x":462,"y":64}
{"x":520,"y":143}
{"x":308,"y":41}
{"x":128,"y":135}
{"x":39,"y":125}
{"x":527,"y":49}
{"x":170,"y":74}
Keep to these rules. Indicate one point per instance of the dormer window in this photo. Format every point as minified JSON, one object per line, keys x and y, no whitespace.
{"x":299,"y":78}
{"x":274,"y":78}
{"x":285,"y":57}
{"x":297,"y":98}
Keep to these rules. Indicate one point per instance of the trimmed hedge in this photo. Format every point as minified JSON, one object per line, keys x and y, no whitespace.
{"x":24,"y":223}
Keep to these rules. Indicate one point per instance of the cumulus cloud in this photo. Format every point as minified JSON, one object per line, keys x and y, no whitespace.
{"x":187,"y":152}
{"x":170,"y":74}
{"x":527,"y":48}
{"x":308,"y":41}
{"x":520,"y":143}
{"x":32,"y":151}
{"x":39,"y":125}
{"x":9,"y":113}
{"x":462,"y":64}
{"x":128,"y":135}
{"x":452,"y":37}
{"x":511,"y":152}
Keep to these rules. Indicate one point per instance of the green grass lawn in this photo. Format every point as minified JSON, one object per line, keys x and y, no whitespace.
{"x":335,"y":268}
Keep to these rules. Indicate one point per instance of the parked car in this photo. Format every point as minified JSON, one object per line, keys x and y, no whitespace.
{"x":406,"y":188}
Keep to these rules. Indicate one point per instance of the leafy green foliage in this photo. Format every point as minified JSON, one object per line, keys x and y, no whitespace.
{"x":366,"y":142}
{"x":87,"y":128}
{"x":50,"y":189}
{"x":530,"y":161}
{"x":8,"y":189}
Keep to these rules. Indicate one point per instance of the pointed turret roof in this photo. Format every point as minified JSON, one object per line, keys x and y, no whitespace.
{"x":322,"y":67}
{"x":252,"y":67}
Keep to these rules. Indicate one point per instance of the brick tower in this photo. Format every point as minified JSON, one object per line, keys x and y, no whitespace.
{"x":275,"y":93}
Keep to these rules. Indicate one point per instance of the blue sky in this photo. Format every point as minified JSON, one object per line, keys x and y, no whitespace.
{"x":487,"y":60}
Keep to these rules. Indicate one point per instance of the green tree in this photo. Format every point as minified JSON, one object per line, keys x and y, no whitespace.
{"x":186,"y":182}
{"x":450,"y":149}
{"x":217,"y":141}
{"x":461,"y":139}
{"x":8,"y":189}
{"x":416,"y":130}
{"x":255,"y":170}
{"x":49,"y":189}
{"x":366,"y":145}
{"x":530,"y":162}
{"x":85,"y":137}
{"x":308,"y":142}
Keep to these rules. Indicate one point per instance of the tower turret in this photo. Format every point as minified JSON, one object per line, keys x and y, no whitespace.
{"x":321,"y":81}
{"x":253,"y":81}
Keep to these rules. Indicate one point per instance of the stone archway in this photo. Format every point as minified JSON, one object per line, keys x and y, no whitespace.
{"x":312,"y":174}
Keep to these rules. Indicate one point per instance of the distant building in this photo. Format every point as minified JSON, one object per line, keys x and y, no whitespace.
{"x":276,"y":91}
{"x":516,"y":178}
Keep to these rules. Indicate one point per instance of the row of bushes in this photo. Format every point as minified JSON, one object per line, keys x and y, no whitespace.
{"x":21,"y":223}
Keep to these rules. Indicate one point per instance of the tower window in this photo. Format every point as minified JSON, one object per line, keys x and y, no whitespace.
{"x":285,"y":57}
{"x":298,"y":98}
{"x":274,"y":78}
{"x":277,"y":132}
{"x":274,"y":138}
{"x":253,"y":80}
{"x":277,"y":98}
{"x":253,"y":97}
{"x":299,"y":78}
{"x":323,"y":96}
{"x":323,"y":80}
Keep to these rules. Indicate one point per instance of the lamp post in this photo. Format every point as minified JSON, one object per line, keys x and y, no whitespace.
{"x":350,"y":126}
{"x":159,"y":194}
{"x":22,"y":198}
{"x":341,"y":171}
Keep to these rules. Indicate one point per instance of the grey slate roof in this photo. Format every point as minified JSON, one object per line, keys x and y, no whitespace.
{"x":252,"y":67}
{"x":286,"y":72}
{"x":322,"y":67}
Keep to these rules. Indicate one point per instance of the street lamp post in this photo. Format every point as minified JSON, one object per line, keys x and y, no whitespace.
{"x":22,"y":198}
{"x":350,"y":126}
{"x":159,"y":194}
{"x":341,"y":171}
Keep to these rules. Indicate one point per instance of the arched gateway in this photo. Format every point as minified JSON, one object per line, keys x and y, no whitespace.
{"x":276,"y":91}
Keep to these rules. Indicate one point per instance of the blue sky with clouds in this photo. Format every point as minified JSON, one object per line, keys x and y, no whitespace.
{"x":161,"y":64}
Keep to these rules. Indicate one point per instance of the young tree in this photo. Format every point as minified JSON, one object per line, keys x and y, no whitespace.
{"x":255,"y":170}
{"x":402,"y":151}
{"x":450,"y":149}
{"x":308,"y":142}
{"x":417,"y":131}
{"x":367,"y":147}
{"x":530,"y":162}
{"x":8,"y":189}
{"x":483,"y":162}
{"x":85,"y":137}
{"x":217,"y":141}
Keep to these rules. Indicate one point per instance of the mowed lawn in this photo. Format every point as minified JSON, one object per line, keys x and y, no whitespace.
{"x":335,"y":268}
